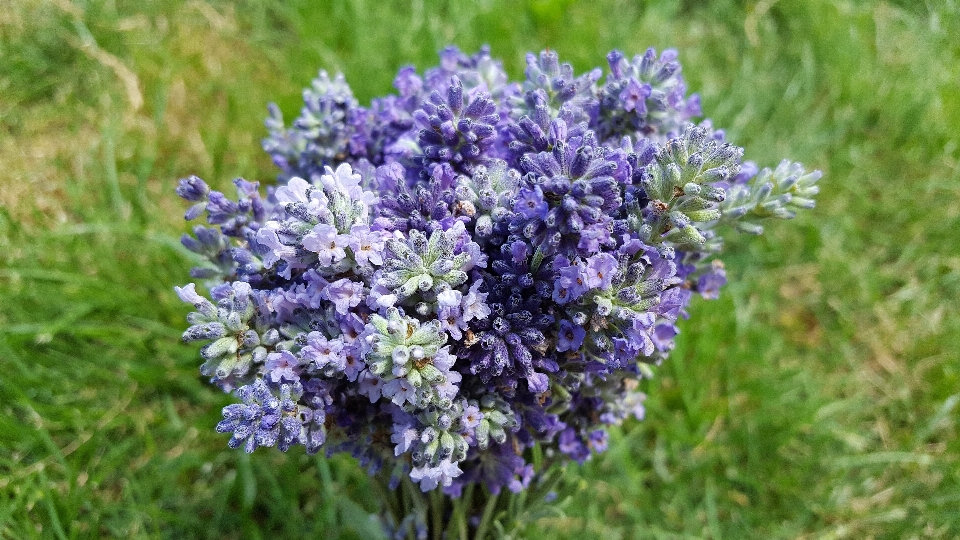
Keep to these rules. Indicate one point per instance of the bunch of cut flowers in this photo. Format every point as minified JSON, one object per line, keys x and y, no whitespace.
{"x":462,"y":283}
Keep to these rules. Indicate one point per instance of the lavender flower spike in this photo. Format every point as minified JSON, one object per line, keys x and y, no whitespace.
{"x":470,"y":276}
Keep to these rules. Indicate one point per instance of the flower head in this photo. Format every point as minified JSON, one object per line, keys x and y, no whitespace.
{"x":471,"y":267}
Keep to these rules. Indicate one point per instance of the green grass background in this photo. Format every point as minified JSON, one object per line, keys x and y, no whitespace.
{"x":815,"y":399}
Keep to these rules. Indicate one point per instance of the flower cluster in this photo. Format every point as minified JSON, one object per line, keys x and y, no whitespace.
{"x":471,"y":268}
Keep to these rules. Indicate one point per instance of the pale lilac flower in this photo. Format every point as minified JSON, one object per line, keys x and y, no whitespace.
{"x":344,"y":294}
{"x":633,"y":402}
{"x":449,"y":298}
{"x":452,"y":321}
{"x":342,"y":179}
{"x":600,"y":270}
{"x":346,"y":181}
{"x":443,"y":360}
{"x":188,"y":294}
{"x":353,"y":364}
{"x":478,"y":259}
{"x":299,"y":191}
{"x":709,"y":283}
{"x":295,"y":191}
{"x":403,"y":436}
{"x":471,"y":416}
{"x":474,"y":306}
{"x":351,"y":326}
{"x":380,"y":298}
{"x":322,"y":352}
{"x":282,"y":365}
{"x":327,"y":243}
{"x":399,"y":391}
{"x":448,"y":388}
{"x":367,"y":245}
{"x":370,"y":385}
{"x":267,"y":236}
{"x":430,"y":477}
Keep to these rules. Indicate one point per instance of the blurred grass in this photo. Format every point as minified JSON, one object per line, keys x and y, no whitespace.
{"x":816,"y":399}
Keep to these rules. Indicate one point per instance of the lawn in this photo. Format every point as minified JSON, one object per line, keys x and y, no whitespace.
{"x":817,"y":398}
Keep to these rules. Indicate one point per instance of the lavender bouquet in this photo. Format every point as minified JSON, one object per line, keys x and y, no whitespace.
{"x":461,"y":284}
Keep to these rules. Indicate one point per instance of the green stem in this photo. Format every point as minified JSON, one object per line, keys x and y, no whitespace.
{"x":329,"y":494}
{"x":415,"y":502}
{"x":389,"y":502}
{"x":465,"y":505}
{"x":436,"y":511}
{"x":487,"y":517}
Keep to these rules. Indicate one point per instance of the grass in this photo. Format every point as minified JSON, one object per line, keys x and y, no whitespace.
{"x":816,"y":399}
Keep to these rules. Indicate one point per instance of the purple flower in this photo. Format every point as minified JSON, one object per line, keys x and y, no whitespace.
{"x":430,"y":477}
{"x":709,"y":283}
{"x":352,"y":362}
{"x":639,"y":334}
{"x":471,"y":265}
{"x":283,"y":365}
{"x":370,"y":385}
{"x":471,"y":417}
{"x":600,"y":270}
{"x":572,"y":445}
{"x":624,"y":350}
{"x":531,"y":204}
{"x":322,"y":352}
{"x":591,"y":238}
{"x":570,"y":336}
{"x":262,"y":419}
{"x":407,"y":82}
{"x":537,"y":383}
{"x":571,"y":285}
{"x":452,"y":321}
{"x":630,"y":246}
{"x":276,"y":250}
{"x":193,"y":189}
{"x":634,"y":96}
{"x":522,"y":479}
{"x":663,"y":335}
{"x":403,"y":436}
{"x":367,"y":245}
{"x":672,"y":303}
{"x":597,"y":440}
{"x":344,"y":294}
{"x":326,"y":243}
{"x":400,"y":391}
{"x":473,"y":303}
